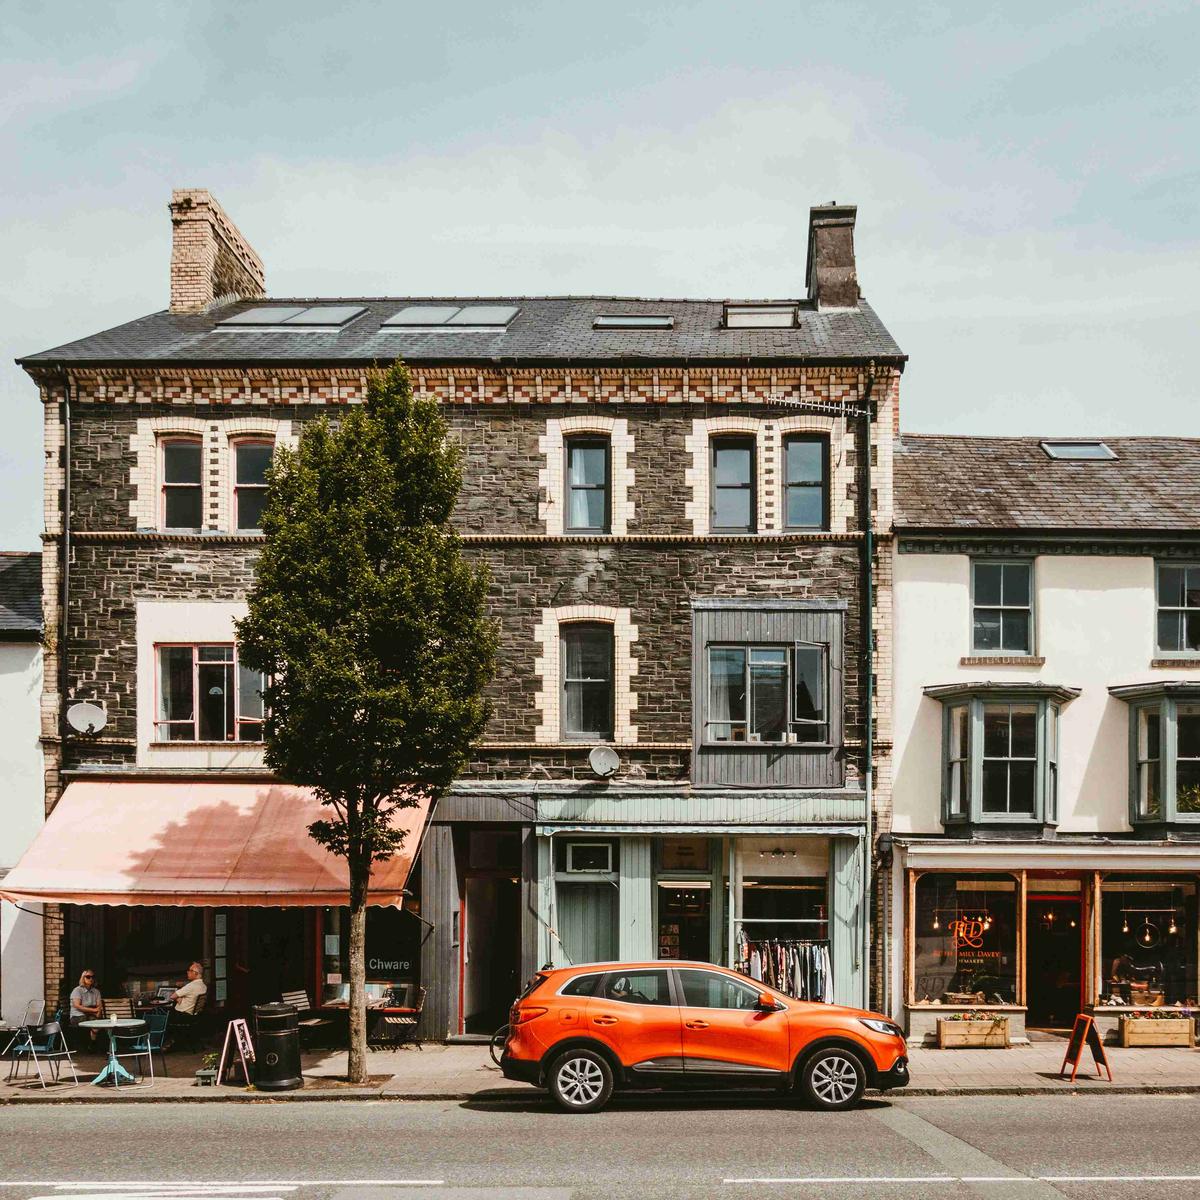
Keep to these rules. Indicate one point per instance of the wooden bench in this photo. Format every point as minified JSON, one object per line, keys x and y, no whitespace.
{"x":309,"y":1024}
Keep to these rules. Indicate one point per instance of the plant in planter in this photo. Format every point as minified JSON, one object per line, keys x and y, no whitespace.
{"x":973,"y":1029}
{"x":206,"y":1076}
{"x":1159,"y":1027}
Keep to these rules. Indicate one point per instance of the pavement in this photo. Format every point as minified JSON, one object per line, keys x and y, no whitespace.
{"x":457,"y":1072}
{"x":1077,"y":1146}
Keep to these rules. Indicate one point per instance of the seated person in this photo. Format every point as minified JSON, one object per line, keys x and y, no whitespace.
{"x":188,"y":997}
{"x":86,"y":1004}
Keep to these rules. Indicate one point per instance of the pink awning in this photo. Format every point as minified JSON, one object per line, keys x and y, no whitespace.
{"x":211,"y":844}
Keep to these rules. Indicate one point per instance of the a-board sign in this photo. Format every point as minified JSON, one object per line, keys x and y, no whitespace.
{"x":1083,"y":1032}
{"x":237,"y":1041}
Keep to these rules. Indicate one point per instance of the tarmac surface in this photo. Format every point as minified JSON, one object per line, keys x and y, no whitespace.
{"x":999,"y":1148}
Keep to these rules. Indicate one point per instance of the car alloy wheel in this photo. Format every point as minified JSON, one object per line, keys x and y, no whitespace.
{"x":581,"y":1081}
{"x":834,"y":1079}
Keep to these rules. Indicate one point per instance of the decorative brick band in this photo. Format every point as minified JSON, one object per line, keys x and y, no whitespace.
{"x":1001,"y":660}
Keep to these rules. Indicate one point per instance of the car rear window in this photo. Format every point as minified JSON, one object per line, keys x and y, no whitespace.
{"x":581,"y":985}
{"x":533,"y":985}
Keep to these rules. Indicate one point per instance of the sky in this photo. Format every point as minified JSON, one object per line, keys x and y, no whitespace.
{"x":1026,"y":175}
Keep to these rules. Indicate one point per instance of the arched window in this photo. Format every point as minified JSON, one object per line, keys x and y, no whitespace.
{"x":587,"y":681}
{"x":589,"y":478}
{"x":182,"y":503}
{"x":732,"y":499}
{"x":251,"y":458}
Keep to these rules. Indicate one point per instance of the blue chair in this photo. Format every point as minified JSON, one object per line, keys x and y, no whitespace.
{"x":46,"y":1045}
{"x":147,"y":1044}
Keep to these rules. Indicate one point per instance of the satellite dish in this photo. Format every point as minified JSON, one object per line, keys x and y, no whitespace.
{"x":604,"y":761}
{"x":86,"y":717}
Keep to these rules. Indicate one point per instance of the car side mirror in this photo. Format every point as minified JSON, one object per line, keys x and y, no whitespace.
{"x":766,"y":1002}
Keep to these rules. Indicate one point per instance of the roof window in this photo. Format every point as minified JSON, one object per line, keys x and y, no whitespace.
{"x":760,"y":316}
{"x":452,"y":317}
{"x":293,"y":316}
{"x":1079,"y":451}
{"x":634,"y":321}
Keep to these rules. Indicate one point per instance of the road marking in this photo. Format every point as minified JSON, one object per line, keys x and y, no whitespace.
{"x":158,"y":1187}
{"x":859,"y":1179}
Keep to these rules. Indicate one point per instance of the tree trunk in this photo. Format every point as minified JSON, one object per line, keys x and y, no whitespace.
{"x":356,"y":1067}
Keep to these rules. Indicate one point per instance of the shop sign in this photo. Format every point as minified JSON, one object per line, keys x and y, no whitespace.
{"x":387,"y":965}
{"x":968,"y":932}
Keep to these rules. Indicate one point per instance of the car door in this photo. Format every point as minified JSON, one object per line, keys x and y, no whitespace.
{"x":724,"y":1030}
{"x":634,"y":1013}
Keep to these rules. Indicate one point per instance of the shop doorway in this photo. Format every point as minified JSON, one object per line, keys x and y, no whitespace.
{"x":276,"y":943}
{"x":491,"y":923}
{"x":1053,"y":960}
{"x":685,"y":920}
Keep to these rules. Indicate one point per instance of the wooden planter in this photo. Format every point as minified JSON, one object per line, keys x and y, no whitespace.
{"x":976,"y":1035}
{"x":1151,"y":1031}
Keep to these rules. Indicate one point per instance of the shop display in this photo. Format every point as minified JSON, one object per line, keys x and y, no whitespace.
{"x":795,"y":967}
{"x":1148,"y":941}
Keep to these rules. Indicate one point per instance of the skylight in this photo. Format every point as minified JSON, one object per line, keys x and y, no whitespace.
{"x":1079,"y":451}
{"x":634,"y":321}
{"x":293,"y":316}
{"x":452,"y":317}
{"x":760,"y":316}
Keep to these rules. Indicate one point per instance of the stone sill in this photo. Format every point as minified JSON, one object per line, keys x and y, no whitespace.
{"x":1192,"y":662}
{"x":1001,"y":660}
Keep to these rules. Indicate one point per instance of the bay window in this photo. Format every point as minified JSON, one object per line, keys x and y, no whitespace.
{"x":206,"y":695}
{"x":1164,"y":752}
{"x":1000,"y":753}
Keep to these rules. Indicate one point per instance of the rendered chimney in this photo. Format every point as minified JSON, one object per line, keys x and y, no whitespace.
{"x":831,"y":275}
{"x":209,"y":256}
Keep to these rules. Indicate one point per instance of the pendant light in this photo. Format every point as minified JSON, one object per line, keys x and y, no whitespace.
{"x":1125,"y":924}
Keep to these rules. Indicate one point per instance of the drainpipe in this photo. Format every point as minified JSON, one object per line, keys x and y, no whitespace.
{"x":65,"y":581}
{"x":868,"y":690}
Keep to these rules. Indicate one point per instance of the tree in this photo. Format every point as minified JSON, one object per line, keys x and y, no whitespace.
{"x":370,"y":627}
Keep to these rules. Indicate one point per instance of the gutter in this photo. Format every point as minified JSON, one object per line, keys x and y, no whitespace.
{"x":868,"y":654}
{"x":65,"y":590}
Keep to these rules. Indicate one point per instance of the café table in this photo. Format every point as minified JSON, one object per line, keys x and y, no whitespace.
{"x":113,"y":1071}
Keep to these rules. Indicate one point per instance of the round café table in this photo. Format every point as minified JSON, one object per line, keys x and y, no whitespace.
{"x":113,"y":1071}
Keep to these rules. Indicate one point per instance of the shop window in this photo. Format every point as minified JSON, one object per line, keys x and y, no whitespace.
{"x":806,"y":482}
{"x":1002,"y":607}
{"x":637,"y":987}
{"x":1148,"y":941}
{"x":587,"y":682}
{"x":732,"y":500}
{"x":784,"y":908}
{"x":182,"y":492}
{"x":1000,"y":753}
{"x":206,"y":695}
{"x":588,"y":466}
{"x":767,"y":694}
{"x":391,"y":950}
{"x":251,"y":460}
{"x":1178,"y":609}
{"x":964,"y":940}
{"x":707,"y":989}
{"x":589,"y":857}
{"x":1164,"y":753}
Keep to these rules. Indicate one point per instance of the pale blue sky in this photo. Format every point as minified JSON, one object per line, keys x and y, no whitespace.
{"x":1027,"y":176}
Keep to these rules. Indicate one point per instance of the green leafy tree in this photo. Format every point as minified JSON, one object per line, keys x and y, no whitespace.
{"x":370,"y":626}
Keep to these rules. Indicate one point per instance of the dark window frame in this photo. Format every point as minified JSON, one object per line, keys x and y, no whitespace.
{"x":565,"y":630}
{"x":819,"y":439}
{"x":715,"y":443}
{"x":587,"y":441}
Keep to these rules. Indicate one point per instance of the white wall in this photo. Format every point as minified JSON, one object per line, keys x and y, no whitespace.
{"x":24,"y":807}
{"x":1094,"y":618}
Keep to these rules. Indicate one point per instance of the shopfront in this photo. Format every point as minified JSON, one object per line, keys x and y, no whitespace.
{"x":1050,"y":938}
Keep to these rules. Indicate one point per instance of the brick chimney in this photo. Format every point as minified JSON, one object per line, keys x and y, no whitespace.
{"x":209,"y":256}
{"x":831,"y":275}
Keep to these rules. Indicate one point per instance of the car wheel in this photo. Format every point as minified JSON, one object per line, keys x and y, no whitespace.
{"x":581,"y":1081}
{"x":833,"y":1079}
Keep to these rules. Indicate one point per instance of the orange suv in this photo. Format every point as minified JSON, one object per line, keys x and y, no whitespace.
{"x":583,"y":1031}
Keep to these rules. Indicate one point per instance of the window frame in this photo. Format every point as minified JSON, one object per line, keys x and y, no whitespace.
{"x":743,"y":983}
{"x":819,"y":439}
{"x":565,"y":628}
{"x":178,"y":439}
{"x":1166,"y":705}
{"x":715,"y":441}
{"x":236,"y":444}
{"x":586,"y":439}
{"x":791,"y":720}
{"x":1002,"y":608}
{"x":1045,"y":774}
{"x":160,"y":723}
{"x":1181,"y":610}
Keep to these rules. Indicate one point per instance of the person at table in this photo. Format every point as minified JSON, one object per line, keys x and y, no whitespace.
{"x":86,"y":1004}
{"x":187,"y":997}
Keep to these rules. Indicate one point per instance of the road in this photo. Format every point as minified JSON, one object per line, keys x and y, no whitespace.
{"x":998,"y":1148}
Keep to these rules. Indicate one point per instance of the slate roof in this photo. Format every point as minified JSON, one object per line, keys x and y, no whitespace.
{"x":546,"y":329}
{"x":20,"y":593}
{"x":1008,"y":483}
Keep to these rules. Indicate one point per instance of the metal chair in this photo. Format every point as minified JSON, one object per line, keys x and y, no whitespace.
{"x":33,"y":1018}
{"x":147,"y":1044}
{"x":44,"y":1045}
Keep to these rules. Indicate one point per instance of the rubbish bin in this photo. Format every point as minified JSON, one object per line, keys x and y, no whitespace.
{"x":276,"y":1048}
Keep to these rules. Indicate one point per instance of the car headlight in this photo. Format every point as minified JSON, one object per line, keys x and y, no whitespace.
{"x":882,"y":1026}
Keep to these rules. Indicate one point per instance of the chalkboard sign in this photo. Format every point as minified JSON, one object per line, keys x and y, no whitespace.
{"x":237,"y":1042}
{"x":1085,"y":1031}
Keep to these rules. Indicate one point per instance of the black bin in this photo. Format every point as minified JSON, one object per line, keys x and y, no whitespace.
{"x":276,"y":1048}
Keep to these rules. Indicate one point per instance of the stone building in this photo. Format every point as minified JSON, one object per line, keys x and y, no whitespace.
{"x":673,"y":498}
{"x":1047,"y":718}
